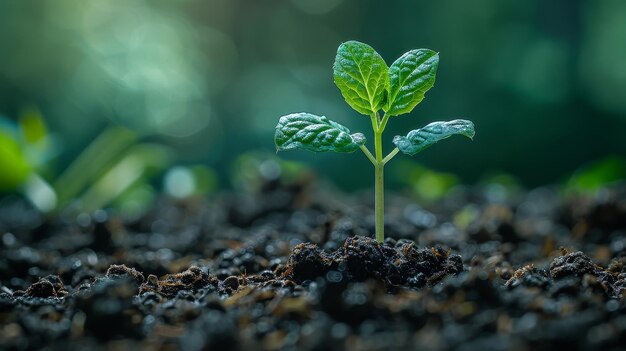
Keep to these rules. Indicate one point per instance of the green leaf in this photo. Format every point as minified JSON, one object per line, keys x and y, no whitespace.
{"x":314,"y":133}
{"x":14,"y":168}
{"x":33,"y":127}
{"x":410,"y":77}
{"x":597,"y":174}
{"x":362,"y":76}
{"x":419,"y":139}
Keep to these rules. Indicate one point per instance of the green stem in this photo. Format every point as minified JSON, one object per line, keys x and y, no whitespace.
{"x":383,"y":123}
{"x":369,"y":155}
{"x":378,"y":125}
{"x":379,"y":207}
{"x":374,"y":119}
{"x":391,"y":155}
{"x":379,"y":187}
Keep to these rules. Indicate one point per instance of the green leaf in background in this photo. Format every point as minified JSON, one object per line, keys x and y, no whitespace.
{"x":315,"y":133}
{"x":362,"y":76}
{"x":595,"y":175}
{"x":254,"y":168}
{"x":183,"y":182}
{"x":33,"y":127}
{"x":14,"y":168}
{"x":410,"y":77}
{"x":419,"y":139}
{"x":426,"y":184}
{"x":133,"y":166}
{"x":92,"y":162}
{"x":39,"y":145}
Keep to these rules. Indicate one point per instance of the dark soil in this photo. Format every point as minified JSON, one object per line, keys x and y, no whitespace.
{"x":292,"y":267}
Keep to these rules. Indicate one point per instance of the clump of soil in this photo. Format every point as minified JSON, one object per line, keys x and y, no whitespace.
{"x":192,"y":279}
{"x":361,"y":258}
{"x":120,"y":270}
{"x":291,"y":267}
{"x":50,"y":286}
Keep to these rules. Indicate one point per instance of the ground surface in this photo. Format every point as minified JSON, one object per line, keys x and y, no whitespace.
{"x":293,"y":267}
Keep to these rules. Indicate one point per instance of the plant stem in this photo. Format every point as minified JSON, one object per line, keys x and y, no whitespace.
{"x":379,"y":187}
{"x":379,"y":124}
{"x":383,"y":122}
{"x":391,"y":155}
{"x":379,"y":207}
{"x":369,"y":155}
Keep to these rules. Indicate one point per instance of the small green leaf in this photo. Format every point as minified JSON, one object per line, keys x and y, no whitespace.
{"x":410,"y":77}
{"x":419,"y":139}
{"x":14,"y":167}
{"x":362,"y":76}
{"x":314,"y":133}
{"x":33,"y":127}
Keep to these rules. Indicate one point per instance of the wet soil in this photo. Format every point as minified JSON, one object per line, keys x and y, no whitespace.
{"x":293,"y":266}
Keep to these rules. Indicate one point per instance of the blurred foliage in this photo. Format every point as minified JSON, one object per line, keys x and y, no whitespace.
{"x":544,"y":82}
{"x":136,"y":164}
{"x":93,"y":162}
{"x":15,"y":168}
{"x":182,"y":182}
{"x":25,"y":146}
{"x":34,"y":128}
{"x":425,"y":184}
{"x":500,"y":187}
{"x":597,"y":174}
{"x":111,"y":166}
{"x":251,"y":170}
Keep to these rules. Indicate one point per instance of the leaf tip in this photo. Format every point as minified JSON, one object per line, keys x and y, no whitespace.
{"x":359,"y":138}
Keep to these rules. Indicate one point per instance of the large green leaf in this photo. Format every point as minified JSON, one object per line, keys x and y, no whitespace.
{"x":419,"y":139}
{"x":314,"y":133}
{"x":362,"y":76}
{"x":410,"y":77}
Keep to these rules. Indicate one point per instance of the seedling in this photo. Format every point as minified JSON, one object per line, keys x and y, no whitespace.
{"x":369,"y":86}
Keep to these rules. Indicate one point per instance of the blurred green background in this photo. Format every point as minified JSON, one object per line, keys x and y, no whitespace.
{"x":544,"y":81}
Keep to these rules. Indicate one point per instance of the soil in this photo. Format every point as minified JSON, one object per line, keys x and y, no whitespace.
{"x":293,"y":266}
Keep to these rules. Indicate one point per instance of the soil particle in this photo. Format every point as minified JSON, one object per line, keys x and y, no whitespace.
{"x":570,"y":274}
{"x":306,"y":262}
{"x":231,"y":283}
{"x":121,"y":270}
{"x":50,"y":286}
{"x":529,"y":276}
{"x":574,"y":263}
{"x":617,"y":265}
{"x":192,"y":279}
{"x":363,"y":257}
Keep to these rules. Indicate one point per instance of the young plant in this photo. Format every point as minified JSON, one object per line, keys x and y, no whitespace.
{"x":368,"y":86}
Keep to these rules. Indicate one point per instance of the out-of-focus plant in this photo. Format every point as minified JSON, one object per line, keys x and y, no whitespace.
{"x":26,"y":150}
{"x":253,"y":169}
{"x":499,"y":187}
{"x":426,"y":184}
{"x":92,"y":162}
{"x":115,"y":169}
{"x":14,"y":168}
{"x":595,"y":175}
{"x":186,"y":181}
{"x":133,"y":166}
{"x":113,"y":165}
